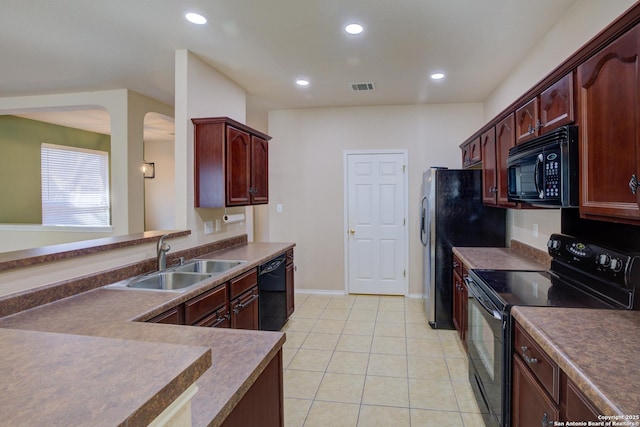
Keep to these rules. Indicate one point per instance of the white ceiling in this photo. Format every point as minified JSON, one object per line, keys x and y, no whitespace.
{"x":264,"y":45}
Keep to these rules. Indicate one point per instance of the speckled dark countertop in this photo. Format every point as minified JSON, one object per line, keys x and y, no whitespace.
{"x":238,"y":356}
{"x":514,"y":258}
{"x":61,"y":379}
{"x":597,"y":349}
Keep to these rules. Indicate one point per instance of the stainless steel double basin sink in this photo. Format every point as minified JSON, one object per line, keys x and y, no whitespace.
{"x":179,"y":278}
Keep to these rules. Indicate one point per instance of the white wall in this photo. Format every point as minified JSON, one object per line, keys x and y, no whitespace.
{"x":160,"y":191}
{"x":584,"y":20}
{"x":306,"y":175}
{"x":201,"y":91}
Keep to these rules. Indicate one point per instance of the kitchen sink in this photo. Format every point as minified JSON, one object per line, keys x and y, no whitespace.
{"x":163,"y":281}
{"x":211,"y":266}
{"x":179,"y":278}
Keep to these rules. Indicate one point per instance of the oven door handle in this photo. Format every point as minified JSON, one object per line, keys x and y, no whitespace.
{"x":471,"y":286}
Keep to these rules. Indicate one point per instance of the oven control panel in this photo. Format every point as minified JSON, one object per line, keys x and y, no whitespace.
{"x":605,"y":263}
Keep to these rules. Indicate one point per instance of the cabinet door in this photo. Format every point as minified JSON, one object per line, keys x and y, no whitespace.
{"x":527,"y":121}
{"x":556,"y":105}
{"x":259,"y":171}
{"x":471,"y":153}
{"x":488,"y":148}
{"x":531,"y":406}
{"x":466,"y":159}
{"x":244,"y":311}
{"x":457,"y":303}
{"x":464,"y":304}
{"x":609,"y":127}
{"x":575,"y":405}
{"x":505,"y":139}
{"x":238,"y":167}
{"x":290,"y":289}
{"x":475,"y":156}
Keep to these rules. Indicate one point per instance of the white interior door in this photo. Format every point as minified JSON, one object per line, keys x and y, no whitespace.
{"x":376,"y":221}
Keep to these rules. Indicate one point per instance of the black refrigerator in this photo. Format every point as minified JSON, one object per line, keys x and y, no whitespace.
{"x":452,"y":214}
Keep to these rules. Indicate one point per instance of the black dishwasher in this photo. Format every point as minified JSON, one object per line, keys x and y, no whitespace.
{"x":273,"y":297}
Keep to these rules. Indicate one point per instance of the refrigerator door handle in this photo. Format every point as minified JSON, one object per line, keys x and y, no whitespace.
{"x":423,"y":222}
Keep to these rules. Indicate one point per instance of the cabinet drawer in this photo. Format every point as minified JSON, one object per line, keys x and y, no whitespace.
{"x":202,"y":305}
{"x":170,"y":317}
{"x":242,"y":283}
{"x":538,"y":363}
{"x":218,"y":319}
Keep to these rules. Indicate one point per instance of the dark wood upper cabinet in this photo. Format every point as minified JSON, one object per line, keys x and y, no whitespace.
{"x":527,"y":121}
{"x":489,"y":167}
{"x":238,"y":167}
{"x":494,"y":145}
{"x":609,"y":130}
{"x":557,"y":105}
{"x":231,"y":164}
{"x":260,"y":170}
{"x":505,"y":139}
{"x":554,"y":107}
{"x":471,"y":153}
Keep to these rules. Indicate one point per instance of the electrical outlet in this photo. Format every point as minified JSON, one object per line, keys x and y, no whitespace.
{"x":279,"y":208}
{"x":208,"y":227}
{"x":535,"y":230}
{"x":218,"y":225}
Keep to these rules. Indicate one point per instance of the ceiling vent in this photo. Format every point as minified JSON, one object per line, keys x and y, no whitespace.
{"x":362,"y":87}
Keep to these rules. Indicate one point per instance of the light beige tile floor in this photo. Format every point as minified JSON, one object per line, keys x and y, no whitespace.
{"x":361,"y":360}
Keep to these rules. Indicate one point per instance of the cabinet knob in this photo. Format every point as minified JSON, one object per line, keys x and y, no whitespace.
{"x":352,"y":231}
{"x":633,"y":184}
{"x":545,"y":422}
{"x":529,"y":360}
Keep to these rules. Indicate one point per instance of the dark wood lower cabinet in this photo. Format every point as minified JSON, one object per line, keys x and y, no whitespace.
{"x":173,"y":316}
{"x":244,"y":310}
{"x":542,"y":392}
{"x":263,"y":405}
{"x":531,"y":405}
{"x":574,"y":405}
{"x":289,"y":283}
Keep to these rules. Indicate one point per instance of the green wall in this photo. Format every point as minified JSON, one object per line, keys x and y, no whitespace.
{"x":20,"y":139}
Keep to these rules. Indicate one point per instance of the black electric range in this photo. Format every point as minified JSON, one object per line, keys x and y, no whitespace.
{"x":583,"y":274}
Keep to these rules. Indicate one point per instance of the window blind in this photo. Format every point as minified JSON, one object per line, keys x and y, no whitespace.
{"x":75,"y":186}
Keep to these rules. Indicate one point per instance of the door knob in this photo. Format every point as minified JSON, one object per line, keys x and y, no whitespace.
{"x":352,"y":231}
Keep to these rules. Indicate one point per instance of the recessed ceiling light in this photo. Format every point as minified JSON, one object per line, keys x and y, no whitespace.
{"x":302,"y":82}
{"x":354,"y":28}
{"x":437,"y":76}
{"x":195,"y":18}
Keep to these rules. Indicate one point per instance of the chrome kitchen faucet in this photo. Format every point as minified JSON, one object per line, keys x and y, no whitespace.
{"x":163,"y":248}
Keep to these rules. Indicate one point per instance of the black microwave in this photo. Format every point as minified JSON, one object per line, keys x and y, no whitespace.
{"x":544,"y":171}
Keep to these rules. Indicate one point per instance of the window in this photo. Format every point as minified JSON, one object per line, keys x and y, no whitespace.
{"x":75,"y":186}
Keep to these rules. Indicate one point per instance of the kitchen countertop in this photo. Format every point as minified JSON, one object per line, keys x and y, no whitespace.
{"x":597,"y":349}
{"x":103,"y":382}
{"x":238,"y":356}
{"x":497,"y":259}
